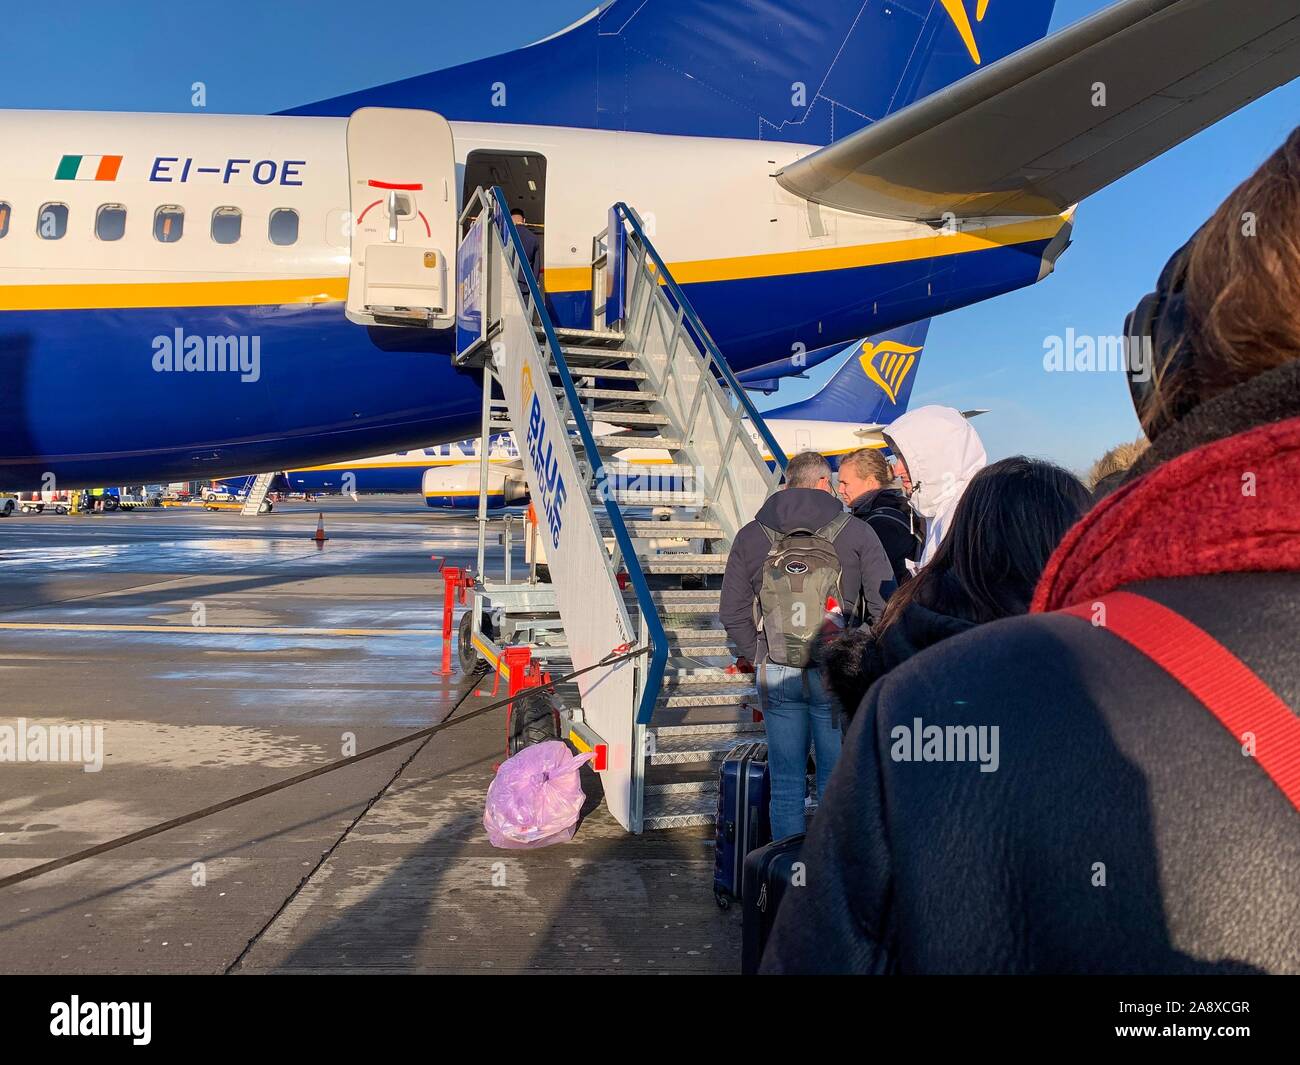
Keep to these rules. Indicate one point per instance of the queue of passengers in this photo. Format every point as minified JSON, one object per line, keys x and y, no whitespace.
{"x":1054,"y":730}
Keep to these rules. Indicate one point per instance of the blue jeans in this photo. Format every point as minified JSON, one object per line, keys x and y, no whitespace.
{"x":797,"y":713}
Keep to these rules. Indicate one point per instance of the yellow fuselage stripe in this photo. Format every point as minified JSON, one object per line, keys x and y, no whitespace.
{"x":557,"y":279}
{"x":173,"y":294}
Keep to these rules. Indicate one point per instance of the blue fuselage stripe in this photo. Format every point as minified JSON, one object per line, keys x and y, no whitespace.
{"x":87,"y":404}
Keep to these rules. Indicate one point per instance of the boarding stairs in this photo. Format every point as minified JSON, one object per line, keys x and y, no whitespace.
{"x":256,"y":495}
{"x":644,"y":457}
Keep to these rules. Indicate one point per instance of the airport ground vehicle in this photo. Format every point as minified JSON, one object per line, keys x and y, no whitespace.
{"x":7,"y":506}
{"x":39,"y":502}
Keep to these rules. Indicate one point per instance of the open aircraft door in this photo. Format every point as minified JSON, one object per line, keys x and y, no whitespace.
{"x":402,"y":180}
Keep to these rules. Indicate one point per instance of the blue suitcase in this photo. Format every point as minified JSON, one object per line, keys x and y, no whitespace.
{"x":743,"y":823}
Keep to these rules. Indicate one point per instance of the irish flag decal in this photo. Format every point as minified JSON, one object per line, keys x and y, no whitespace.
{"x":88,"y":168}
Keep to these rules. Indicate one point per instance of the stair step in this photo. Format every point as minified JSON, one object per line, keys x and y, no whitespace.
{"x":685,"y":698}
{"x":655,"y":498}
{"x":685,"y":602}
{"x":679,"y":810}
{"x":695,"y":678}
{"x":707,"y":530}
{"x":630,"y":395}
{"x":654,"y":470}
{"x":610,"y":372}
{"x":706,"y":747}
{"x":628,"y":417}
{"x":737,"y":727}
{"x":700,"y":650}
{"x":624,"y":442}
{"x":566,"y":333}
{"x":684,"y":563}
{"x":700,"y":786}
{"x":591,"y":359}
{"x":699,"y":634}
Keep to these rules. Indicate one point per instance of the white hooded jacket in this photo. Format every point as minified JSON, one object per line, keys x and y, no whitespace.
{"x":942,"y":452}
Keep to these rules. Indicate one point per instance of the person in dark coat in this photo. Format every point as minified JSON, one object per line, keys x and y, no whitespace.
{"x":1117,"y":825}
{"x":865,"y":483}
{"x":1007,"y":524}
{"x":532,"y":245}
{"x":797,"y":710}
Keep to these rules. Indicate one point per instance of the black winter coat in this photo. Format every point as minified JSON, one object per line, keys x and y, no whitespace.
{"x":1123,"y":830}
{"x":900,"y":528}
{"x":861,"y":657}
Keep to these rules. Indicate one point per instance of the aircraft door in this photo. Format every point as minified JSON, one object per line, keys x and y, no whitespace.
{"x":402,"y":180}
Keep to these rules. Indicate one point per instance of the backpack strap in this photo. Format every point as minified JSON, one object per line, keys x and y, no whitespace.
{"x":834,"y":527}
{"x":1217,"y":678}
{"x":772,"y":535}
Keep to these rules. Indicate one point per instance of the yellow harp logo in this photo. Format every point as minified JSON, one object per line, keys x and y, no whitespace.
{"x":888,"y":364}
{"x":957,"y":12}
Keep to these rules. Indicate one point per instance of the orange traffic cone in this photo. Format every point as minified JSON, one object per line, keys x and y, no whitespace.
{"x":320,"y":536}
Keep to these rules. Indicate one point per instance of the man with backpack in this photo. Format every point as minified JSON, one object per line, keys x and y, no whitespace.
{"x":800,"y":555}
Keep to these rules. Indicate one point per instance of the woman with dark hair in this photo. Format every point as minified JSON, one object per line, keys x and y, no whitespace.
{"x":1133,"y":802}
{"x":1005,"y":528}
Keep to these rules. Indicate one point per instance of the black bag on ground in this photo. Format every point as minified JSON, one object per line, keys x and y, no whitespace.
{"x":767,"y":876}
{"x":743,"y":822}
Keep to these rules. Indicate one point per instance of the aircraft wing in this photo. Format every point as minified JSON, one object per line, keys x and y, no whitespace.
{"x":1030,"y":135}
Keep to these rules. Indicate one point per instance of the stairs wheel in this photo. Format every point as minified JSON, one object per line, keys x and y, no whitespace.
{"x":533,"y":719}
{"x":266,"y":507}
{"x":723,"y":902}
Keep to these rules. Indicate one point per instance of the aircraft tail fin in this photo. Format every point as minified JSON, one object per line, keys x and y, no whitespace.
{"x":872,"y":385}
{"x":804,"y":71}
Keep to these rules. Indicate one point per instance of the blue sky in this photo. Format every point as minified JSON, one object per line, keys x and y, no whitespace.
{"x":258,"y":57}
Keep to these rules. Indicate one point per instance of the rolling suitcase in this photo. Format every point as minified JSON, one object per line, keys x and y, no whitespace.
{"x":742,"y":824}
{"x":768,"y":872}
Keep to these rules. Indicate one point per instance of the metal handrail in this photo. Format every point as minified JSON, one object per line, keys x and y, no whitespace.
{"x":715,"y":356}
{"x":658,"y":658}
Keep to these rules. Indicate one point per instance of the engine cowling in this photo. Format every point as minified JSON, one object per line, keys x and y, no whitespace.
{"x":457,"y":487}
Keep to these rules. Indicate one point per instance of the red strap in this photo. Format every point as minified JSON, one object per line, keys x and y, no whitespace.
{"x":1224,"y":684}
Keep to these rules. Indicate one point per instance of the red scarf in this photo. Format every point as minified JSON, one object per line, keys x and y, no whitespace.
{"x":1231,"y":506}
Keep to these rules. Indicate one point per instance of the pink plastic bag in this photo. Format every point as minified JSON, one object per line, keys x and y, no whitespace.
{"x":535,"y":798}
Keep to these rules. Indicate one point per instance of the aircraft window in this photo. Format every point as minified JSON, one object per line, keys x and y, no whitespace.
{"x":52,"y":221}
{"x":168,"y":224}
{"x":110,"y":222}
{"x":4,"y":219}
{"x":226,"y":224}
{"x":283,"y":229}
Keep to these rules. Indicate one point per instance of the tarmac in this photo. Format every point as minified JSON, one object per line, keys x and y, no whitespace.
{"x":220,"y":654}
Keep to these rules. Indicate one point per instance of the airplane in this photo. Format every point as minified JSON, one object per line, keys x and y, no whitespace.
{"x":184,"y":296}
{"x":869,"y":389}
